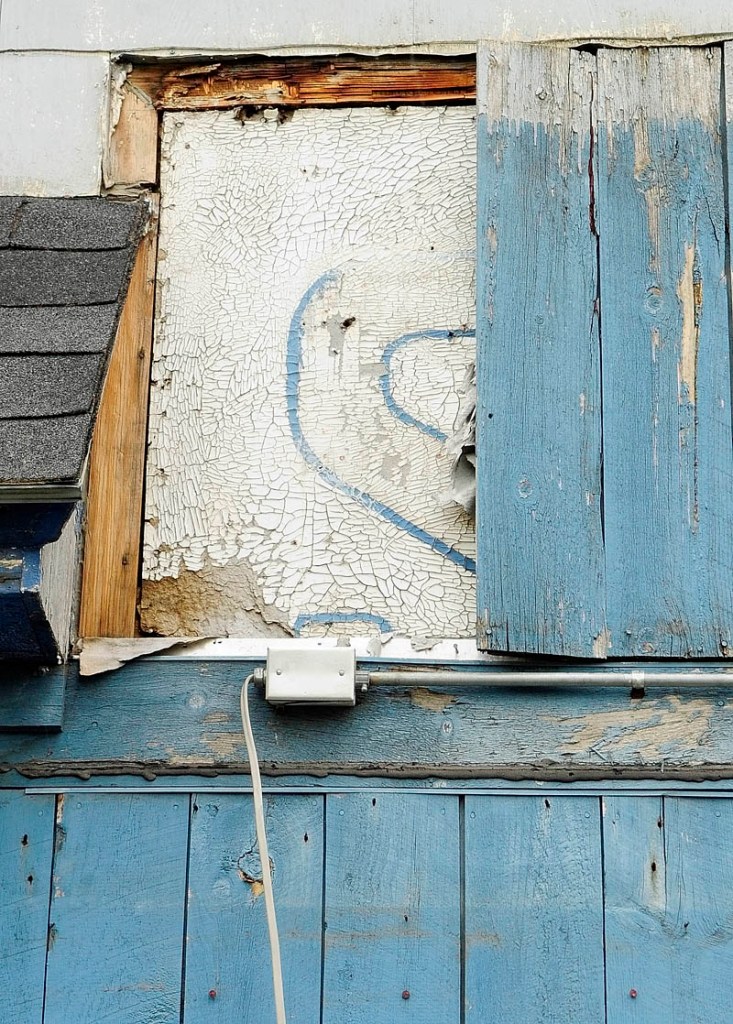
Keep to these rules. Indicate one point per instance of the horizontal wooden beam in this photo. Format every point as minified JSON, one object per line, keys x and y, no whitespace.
{"x":157,"y":718}
{"x":307,"y":81}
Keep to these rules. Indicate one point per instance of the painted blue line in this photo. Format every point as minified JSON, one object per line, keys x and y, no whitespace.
{"x":307,"y":619}
{"x":293,"y":364}
{"x":385,"y":381}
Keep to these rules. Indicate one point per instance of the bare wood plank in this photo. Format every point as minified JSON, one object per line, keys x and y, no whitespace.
{"x":117,"y":466}
{"x":312,"y":81}
{"x":540,"y":544}
{"x":668,"y":467}
{"x":133,"y":147}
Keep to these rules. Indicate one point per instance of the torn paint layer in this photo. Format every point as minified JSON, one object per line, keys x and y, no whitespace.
{"x":315,"y":322}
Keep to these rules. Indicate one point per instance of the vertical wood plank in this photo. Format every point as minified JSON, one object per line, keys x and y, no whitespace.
{"x":227,"y":950}
{"x":392,"y":909}
{"x":669,"y":916}
{"x":26,"y":849}
{"x":540,"y":545}
{"x":668,"y":472}
{"x":132,"y":155}
{"x":534,"y":913}
{"x":116,"y":932}
{"x":117,"y":466}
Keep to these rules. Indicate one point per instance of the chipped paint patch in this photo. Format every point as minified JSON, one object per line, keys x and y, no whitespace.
{"x":651,"y":729}
{"x":429,"y":700}
{"x":218,"y":600}
{"x":689,"y":293}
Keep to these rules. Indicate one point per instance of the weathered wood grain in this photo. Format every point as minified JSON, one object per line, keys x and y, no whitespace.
{"x":26,"y":849}
{"x":117,"y":464}
{"x":307,"y":81}
{"x":182,"y":717}
{"x":669,"y":937}
{"x":132,"y":155}
{"x":534,"y":910}
{"x":392,"y":909}
{"x":668,"y":471}
{"x":540,"y":547}
{"x":227,"y":950}
{"x":117,"y":908}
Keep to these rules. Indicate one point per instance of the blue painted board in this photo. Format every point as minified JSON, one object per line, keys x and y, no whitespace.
{"x":392,"y":909}
{"x":26,"y":849}
{"x":159,"y":718}
{"x":533,"y":910}
{"x":539,"y":530}
{"x":32,"y":696}
{"x":669,"y":909}
{"x":117,"y":909}
{"x":668,"y":463}
{"x":227,"y":950}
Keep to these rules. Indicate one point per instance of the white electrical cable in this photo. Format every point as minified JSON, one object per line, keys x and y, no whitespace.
{"x":277,"y":974}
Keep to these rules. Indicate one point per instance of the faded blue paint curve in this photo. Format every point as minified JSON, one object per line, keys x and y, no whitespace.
{"x":385,"y":381}
{"x":377,"y":620}
{"x":292,"y":399}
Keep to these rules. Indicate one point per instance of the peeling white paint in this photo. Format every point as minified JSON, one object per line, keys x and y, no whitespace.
{"x":300,"y":262}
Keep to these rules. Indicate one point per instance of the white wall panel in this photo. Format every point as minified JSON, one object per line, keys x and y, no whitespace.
{"x":470,"y":20}
{"x":315,"y":322}
{"x":229,"y":25}
{"x":53,"y":119}
{"x":194,"y":24}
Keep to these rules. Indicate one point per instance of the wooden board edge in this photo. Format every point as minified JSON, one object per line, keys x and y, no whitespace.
{"x":117,"y":463}
{"x":306,"y":81}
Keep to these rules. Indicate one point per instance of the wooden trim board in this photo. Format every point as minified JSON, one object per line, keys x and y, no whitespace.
{"x":117,"y":464}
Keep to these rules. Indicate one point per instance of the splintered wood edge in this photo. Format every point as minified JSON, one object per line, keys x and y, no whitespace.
{"x":306,"y":81}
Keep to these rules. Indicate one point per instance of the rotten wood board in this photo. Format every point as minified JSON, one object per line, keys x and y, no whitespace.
{"x":307,"y":81}
{"x":667,"y":467}
{"x":117,"y":464}
{"x":541,"y":586}
{"x":182,"y":717}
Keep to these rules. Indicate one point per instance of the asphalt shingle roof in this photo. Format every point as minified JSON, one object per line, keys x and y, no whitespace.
{"x":64,"y":269}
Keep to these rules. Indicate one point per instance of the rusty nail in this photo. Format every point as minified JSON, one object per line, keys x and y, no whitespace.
{"x":633,"y":993}
{"x":212,"y":993}
{"x":405,"y":994}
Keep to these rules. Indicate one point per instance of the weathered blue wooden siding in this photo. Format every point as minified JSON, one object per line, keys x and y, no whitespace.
{"x":428,"y":906}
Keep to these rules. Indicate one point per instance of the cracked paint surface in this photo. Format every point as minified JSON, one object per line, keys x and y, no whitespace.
{"x":315,"y":320}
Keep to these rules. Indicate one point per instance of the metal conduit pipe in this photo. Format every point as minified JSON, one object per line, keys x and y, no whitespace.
{"x":636,"y":679}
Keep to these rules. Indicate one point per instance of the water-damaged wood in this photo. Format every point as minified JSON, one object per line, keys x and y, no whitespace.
{"x":307,"y":81}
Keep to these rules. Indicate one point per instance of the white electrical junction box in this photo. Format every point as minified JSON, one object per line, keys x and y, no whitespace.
{"x":307,"y":675}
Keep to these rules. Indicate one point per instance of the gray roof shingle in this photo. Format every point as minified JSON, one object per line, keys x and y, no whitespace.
{"x":29,"y":329}
{"x":64,"y":270}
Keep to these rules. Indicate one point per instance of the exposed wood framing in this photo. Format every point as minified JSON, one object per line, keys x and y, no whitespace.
{"x":115,"y":502}
{"x":307,"y":81}
{"x":132,"y":157}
